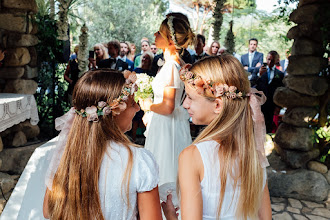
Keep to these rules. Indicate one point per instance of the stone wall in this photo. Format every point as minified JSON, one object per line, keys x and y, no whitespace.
{"x":303,"y":86}
{"x":17,"y":75}
{"x":299,"y":176}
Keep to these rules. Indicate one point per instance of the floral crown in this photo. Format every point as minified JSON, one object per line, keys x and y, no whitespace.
{"x":172,"y":31}
{"x":115,"y":106}
{"x":208,"y":87}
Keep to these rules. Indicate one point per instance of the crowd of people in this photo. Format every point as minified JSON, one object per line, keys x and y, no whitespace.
{"x":99,"y":173}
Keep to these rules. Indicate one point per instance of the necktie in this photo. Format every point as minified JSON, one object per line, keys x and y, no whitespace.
{"x":268,"y":73}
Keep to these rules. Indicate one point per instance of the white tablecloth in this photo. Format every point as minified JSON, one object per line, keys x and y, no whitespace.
{"x":16,"y":108}
{"x":25,"y":202}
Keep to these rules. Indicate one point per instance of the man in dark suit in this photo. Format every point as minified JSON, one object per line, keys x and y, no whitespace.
{"x":252,"y":60}
{"x":124,"y":50}
{"x":114,"y":62}
{"x":199,"y":52}
{"x":268,"y":81}
{"x":284,"y":63}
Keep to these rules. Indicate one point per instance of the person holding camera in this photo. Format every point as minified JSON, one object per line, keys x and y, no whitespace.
{"x":268,"y":81}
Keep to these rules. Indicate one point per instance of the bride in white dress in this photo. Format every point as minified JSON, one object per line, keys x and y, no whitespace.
{"x":168,"y":131}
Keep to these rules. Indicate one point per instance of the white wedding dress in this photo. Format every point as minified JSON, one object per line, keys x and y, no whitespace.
{"x":168,"y":135}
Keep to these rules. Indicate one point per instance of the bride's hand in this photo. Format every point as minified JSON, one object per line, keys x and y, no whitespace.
{"x":145,"y":104}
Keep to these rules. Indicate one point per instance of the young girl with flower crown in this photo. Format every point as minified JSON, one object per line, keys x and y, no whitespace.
{"x":168,"y":131}
{"x":222,"y":174}
{"x":96,"y":172}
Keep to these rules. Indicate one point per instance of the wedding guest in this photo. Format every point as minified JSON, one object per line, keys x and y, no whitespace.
{"x":146,"y":61}
{"x":101,"y":174}
{"x":222,"y":50}
{"x":252,"y":61}
{"x":284,"y":63}
{"x":214,"y":48}
{"x":153,"y":48}
{"x":131,"y":53}
{"x":270,"y":78}
{"x":113,"y":62}
{"x":71,"y":75}
{"x":73,"y":56}
{"x":199,"y":52}
{"x":101,"y":54}
{"x":222,"y":175}
{"x":145,"y":46}
{"x":124,"y":51}
{"x":168,"y":131}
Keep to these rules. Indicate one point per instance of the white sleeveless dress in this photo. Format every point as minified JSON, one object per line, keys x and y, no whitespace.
{"x":168,"y":135}
{"x":210,"y":184}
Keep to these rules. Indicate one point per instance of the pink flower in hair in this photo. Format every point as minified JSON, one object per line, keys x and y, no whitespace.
{"x":219,"y":90}
{"x":116,"y":109}
{"x":92,"y":117}
{"x":126,"y":73}
{"x":191,"y":82}
{"x":101,"y":104}
{"x":232,"y":88}
{"x":225,"y":87}
{"x":239,"y":95}
{"x":125,"y":98}
{"x":91,"y":110}
{"x":106,"y":111}
{"x":232,"y":95}
{"x":199,"y":82}
{"x":132,"y":78}
{"x":189,"y":75}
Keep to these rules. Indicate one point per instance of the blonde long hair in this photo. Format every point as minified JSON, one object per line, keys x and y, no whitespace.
{"x":233,"y":129}
{"x":104,"y":50}
{"x":75,"y":191}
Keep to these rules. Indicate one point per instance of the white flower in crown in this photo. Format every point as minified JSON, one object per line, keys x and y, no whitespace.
{"x":172,"y":31}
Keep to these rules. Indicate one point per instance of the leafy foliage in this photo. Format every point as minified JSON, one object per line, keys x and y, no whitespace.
{"x":218,"y":19}
{"x":124,"y":20}
{"x":51,"y":86}
{"x":230,"y":39}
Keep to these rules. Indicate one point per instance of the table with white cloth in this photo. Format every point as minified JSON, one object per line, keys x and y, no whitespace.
{"x":25,"y":202}
{"x":16,"y":108}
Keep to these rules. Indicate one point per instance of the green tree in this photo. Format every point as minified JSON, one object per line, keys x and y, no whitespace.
{"x":125,"y":20}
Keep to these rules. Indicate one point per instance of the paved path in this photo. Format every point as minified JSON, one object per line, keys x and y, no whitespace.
{"x":287,"y":209}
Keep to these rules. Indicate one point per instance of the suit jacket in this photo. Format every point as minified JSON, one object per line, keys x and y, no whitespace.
{"x":282,"y":62}
{"x":130,"y":64}
{"x":120,"y":65}
{"x":258,"y":58}
{"x":269,"y":89}
{"x":195,"y":57}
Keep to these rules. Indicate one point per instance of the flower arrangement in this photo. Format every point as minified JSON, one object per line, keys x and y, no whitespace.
{"x":145,"y":88}
{"x":208,"y":87}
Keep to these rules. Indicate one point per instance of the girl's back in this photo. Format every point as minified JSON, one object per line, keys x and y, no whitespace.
{"x":211,"y":185}
{"x":144,"y":177}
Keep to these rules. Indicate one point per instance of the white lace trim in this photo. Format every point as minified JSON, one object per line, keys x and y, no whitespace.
{"x":16,"y":108}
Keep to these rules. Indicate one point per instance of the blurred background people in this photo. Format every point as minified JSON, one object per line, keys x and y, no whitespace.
{"x":145,"y":46}
{"x":131,"y":53}
{"x":114,"y":62}
{"x":154,"y":48}
{"x":146,"y":62}
{"x":124,"y":51}
{"x":101,"y":53}
{"x":214,"y":48}
{"x":199,"y":52}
